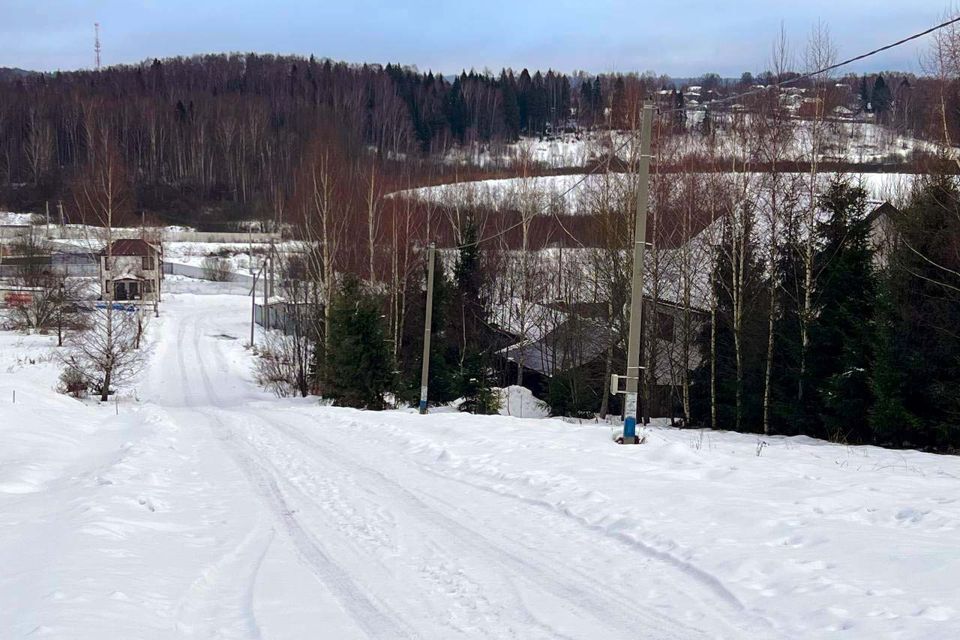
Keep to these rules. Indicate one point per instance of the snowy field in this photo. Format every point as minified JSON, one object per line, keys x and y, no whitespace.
{"x":845,"y":140}
{"x":544,"y":193}
{"x":207,"y":508}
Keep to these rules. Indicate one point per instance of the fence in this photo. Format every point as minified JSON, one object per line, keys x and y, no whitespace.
{"x":84,"y":233}
{"x":218,"y":236}
{"x":177,"y":269}
{"x":83,"y":270}
{"x":284,"y":316}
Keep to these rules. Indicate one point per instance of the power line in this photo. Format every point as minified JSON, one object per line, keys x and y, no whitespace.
{"x":632,"y":135}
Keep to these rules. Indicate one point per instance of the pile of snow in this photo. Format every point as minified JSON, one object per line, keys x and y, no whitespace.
{"x":520,"y":402}
{"x":11,"y":218}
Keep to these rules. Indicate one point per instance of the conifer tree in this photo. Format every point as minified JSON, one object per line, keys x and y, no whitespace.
{"x":455,"y":110}
{"x":468,"y":313}
{"x":916,"y":378}
{"x":511,"y":106}
{"x":596,"y":97}
{"x":738,"y":282}
{"x":882,"y":99}
{"x":680,"y":112}
{"x":360,"y":369}
{"x":441,"y":382}
{"x":864,"y":94}
{"x":842,"y":335}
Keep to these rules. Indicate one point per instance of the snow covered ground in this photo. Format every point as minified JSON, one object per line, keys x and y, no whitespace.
{"x":544,"y":192}
{"x":845,"y":140}
{"x":207,"y":508}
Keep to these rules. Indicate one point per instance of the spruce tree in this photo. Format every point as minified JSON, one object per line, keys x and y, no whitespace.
{"x":441,"y":380}
{"x":864,"y":94}
{"x":881,"y":100}
{"x":596,"y":99}
{"x":753,"y":340}
{"x":360,"y":367}
{"x":680,"y":112}
{"x":511,"y":106}
{"x":788,"y":417}
{"x":843,"y":334}
{"x":455,"y":111}
{"x":917,"y":374}
{"x":469,"y":339}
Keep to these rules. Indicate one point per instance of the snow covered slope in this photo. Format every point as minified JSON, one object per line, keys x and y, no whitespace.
{"x":209,"y":509}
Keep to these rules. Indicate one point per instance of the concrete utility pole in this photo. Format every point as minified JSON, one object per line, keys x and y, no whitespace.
{"x":253,"y":303}
{"x":271,"y":263}
{"x":427,"y":324}
{"x":636,"y":295}
{"x":266,"y":301}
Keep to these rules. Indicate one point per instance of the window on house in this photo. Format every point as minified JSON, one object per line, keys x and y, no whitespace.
{"x":147,"y":263}
{"x":665,"y":328}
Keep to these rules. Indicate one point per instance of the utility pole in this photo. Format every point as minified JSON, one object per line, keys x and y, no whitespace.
{"x":636,"y":295}
{"x":271,"y":256}
{"x":427,"y":325}
{"x":266,"y":301}
{"x":253,"y":303}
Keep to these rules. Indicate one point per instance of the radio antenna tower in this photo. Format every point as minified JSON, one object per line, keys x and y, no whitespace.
{"x":96,"y":43}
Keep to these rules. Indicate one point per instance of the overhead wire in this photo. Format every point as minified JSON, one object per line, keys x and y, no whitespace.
{"x":631,"y":136}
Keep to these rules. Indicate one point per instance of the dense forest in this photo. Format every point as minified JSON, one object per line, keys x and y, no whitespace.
{"x":218,"y":138}
{"x":227,"y":131}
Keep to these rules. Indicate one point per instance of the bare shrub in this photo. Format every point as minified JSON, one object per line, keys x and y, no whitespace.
{"x":216,"y":269}
{"x":74,"y":383}
{"x":276,"y":368}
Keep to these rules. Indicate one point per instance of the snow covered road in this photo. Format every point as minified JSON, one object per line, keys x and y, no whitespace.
{"x":213,"y":510}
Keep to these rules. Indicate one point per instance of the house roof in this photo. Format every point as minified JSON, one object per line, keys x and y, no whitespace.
{"x":883,"y":209}
{"x":565,"y":347}
{"x":131,"y":247}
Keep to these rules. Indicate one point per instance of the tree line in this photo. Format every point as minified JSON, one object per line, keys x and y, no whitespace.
{"x":223,"y":134}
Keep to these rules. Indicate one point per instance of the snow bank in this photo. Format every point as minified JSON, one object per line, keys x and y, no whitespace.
{"x":520,"y":402}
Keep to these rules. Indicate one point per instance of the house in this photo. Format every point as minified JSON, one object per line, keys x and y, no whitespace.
{"x":131,"y":271}
{"x":882,"y":230}
{"x":580,"y":339}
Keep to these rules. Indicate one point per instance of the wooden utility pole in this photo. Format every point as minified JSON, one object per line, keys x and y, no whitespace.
{"x":427,"y":323}
{"x":636,"y":297}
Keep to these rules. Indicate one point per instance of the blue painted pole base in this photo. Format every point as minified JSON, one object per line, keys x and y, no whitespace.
{"x":423,"y":406}
{"x":629,"y":431}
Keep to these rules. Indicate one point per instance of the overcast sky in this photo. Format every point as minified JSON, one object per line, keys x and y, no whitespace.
{"x":677,"y":37}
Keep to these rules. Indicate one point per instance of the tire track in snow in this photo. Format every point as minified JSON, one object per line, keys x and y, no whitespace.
{"x":376,"y":620}
{"x":215,"y":605}
{"x":257,"y":452}
{"x":433,"y":565}
{"x":601,"y":608}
